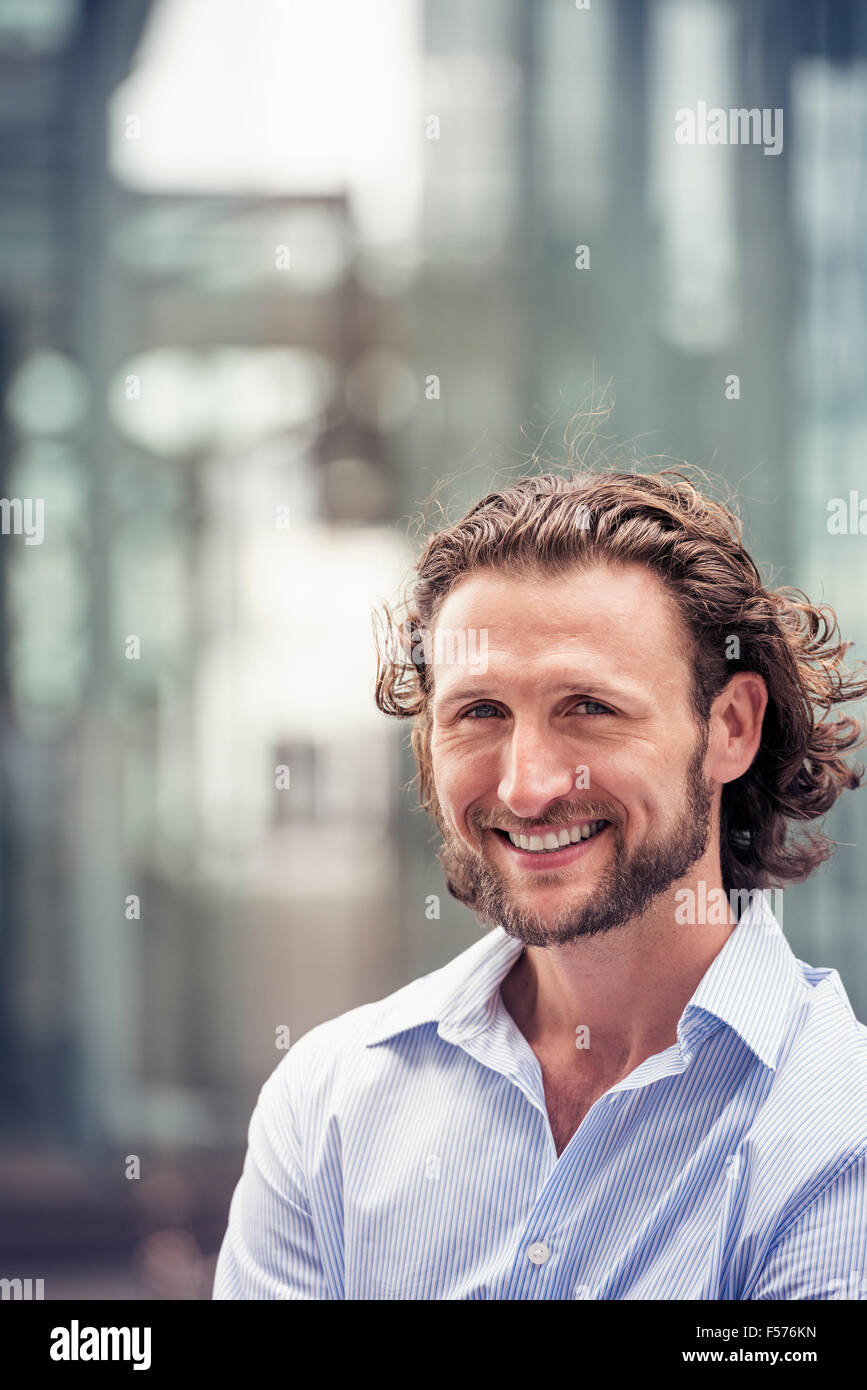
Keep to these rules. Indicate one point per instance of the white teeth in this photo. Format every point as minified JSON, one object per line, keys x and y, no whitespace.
{"x":554,"y":840}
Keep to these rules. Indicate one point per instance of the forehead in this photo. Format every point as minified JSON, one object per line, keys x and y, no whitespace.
{"x":611,"y":621}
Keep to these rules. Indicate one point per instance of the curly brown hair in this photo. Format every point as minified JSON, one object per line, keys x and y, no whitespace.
{"x":554,"y":522}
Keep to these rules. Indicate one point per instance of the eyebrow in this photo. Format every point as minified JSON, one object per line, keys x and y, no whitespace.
{"x":590,"y":688}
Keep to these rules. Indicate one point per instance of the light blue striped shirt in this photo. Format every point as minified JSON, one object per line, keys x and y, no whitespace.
{"x":403,"y":1150}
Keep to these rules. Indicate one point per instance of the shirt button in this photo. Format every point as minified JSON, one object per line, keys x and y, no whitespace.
{"x":538,"y":1253}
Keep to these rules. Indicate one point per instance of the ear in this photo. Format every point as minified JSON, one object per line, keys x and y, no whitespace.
{"x":736,"y":717}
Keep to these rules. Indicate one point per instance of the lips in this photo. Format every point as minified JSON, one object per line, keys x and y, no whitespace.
{"x":548,"y":841}
{"x":552,"y":858}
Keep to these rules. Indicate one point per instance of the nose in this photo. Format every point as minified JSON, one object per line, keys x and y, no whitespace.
{"x":538,"y":771}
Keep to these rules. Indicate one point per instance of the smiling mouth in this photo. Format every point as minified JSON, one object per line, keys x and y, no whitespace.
{"x":554,"y":839}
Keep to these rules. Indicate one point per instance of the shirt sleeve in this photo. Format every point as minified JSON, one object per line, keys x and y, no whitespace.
{"x":823,"y":1254}
{"x":270,"y":1248}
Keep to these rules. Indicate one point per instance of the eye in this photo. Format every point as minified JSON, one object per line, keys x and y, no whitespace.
{"x":599,"y":708}
{"x":484,"y":705}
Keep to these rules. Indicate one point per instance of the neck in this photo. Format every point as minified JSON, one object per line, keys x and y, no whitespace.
{"x":625,"y":989}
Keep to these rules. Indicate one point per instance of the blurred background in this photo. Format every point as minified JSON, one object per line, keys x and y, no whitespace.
{"x":268,"y":271}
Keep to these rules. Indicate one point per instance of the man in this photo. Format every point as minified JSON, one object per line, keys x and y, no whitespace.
{"x":629,"y":1088}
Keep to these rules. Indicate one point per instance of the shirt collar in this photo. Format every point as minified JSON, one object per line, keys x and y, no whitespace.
{"x":461,"y":997}
{"x":748,"y":986}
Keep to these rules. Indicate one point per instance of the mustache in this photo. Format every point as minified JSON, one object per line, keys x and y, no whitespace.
{"x":564,"y":814}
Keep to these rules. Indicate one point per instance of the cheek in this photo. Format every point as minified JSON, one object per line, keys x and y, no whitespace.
{"x":650,"y":791}
{"x":640,"y":790}
{"x":647,"y":771}
{"x":462,"y":774}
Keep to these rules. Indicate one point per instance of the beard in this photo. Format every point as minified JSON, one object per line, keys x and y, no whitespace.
{"x":625,"y":891}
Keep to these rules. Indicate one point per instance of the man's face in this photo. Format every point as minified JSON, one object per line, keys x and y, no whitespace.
{"x":581,"y":716}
